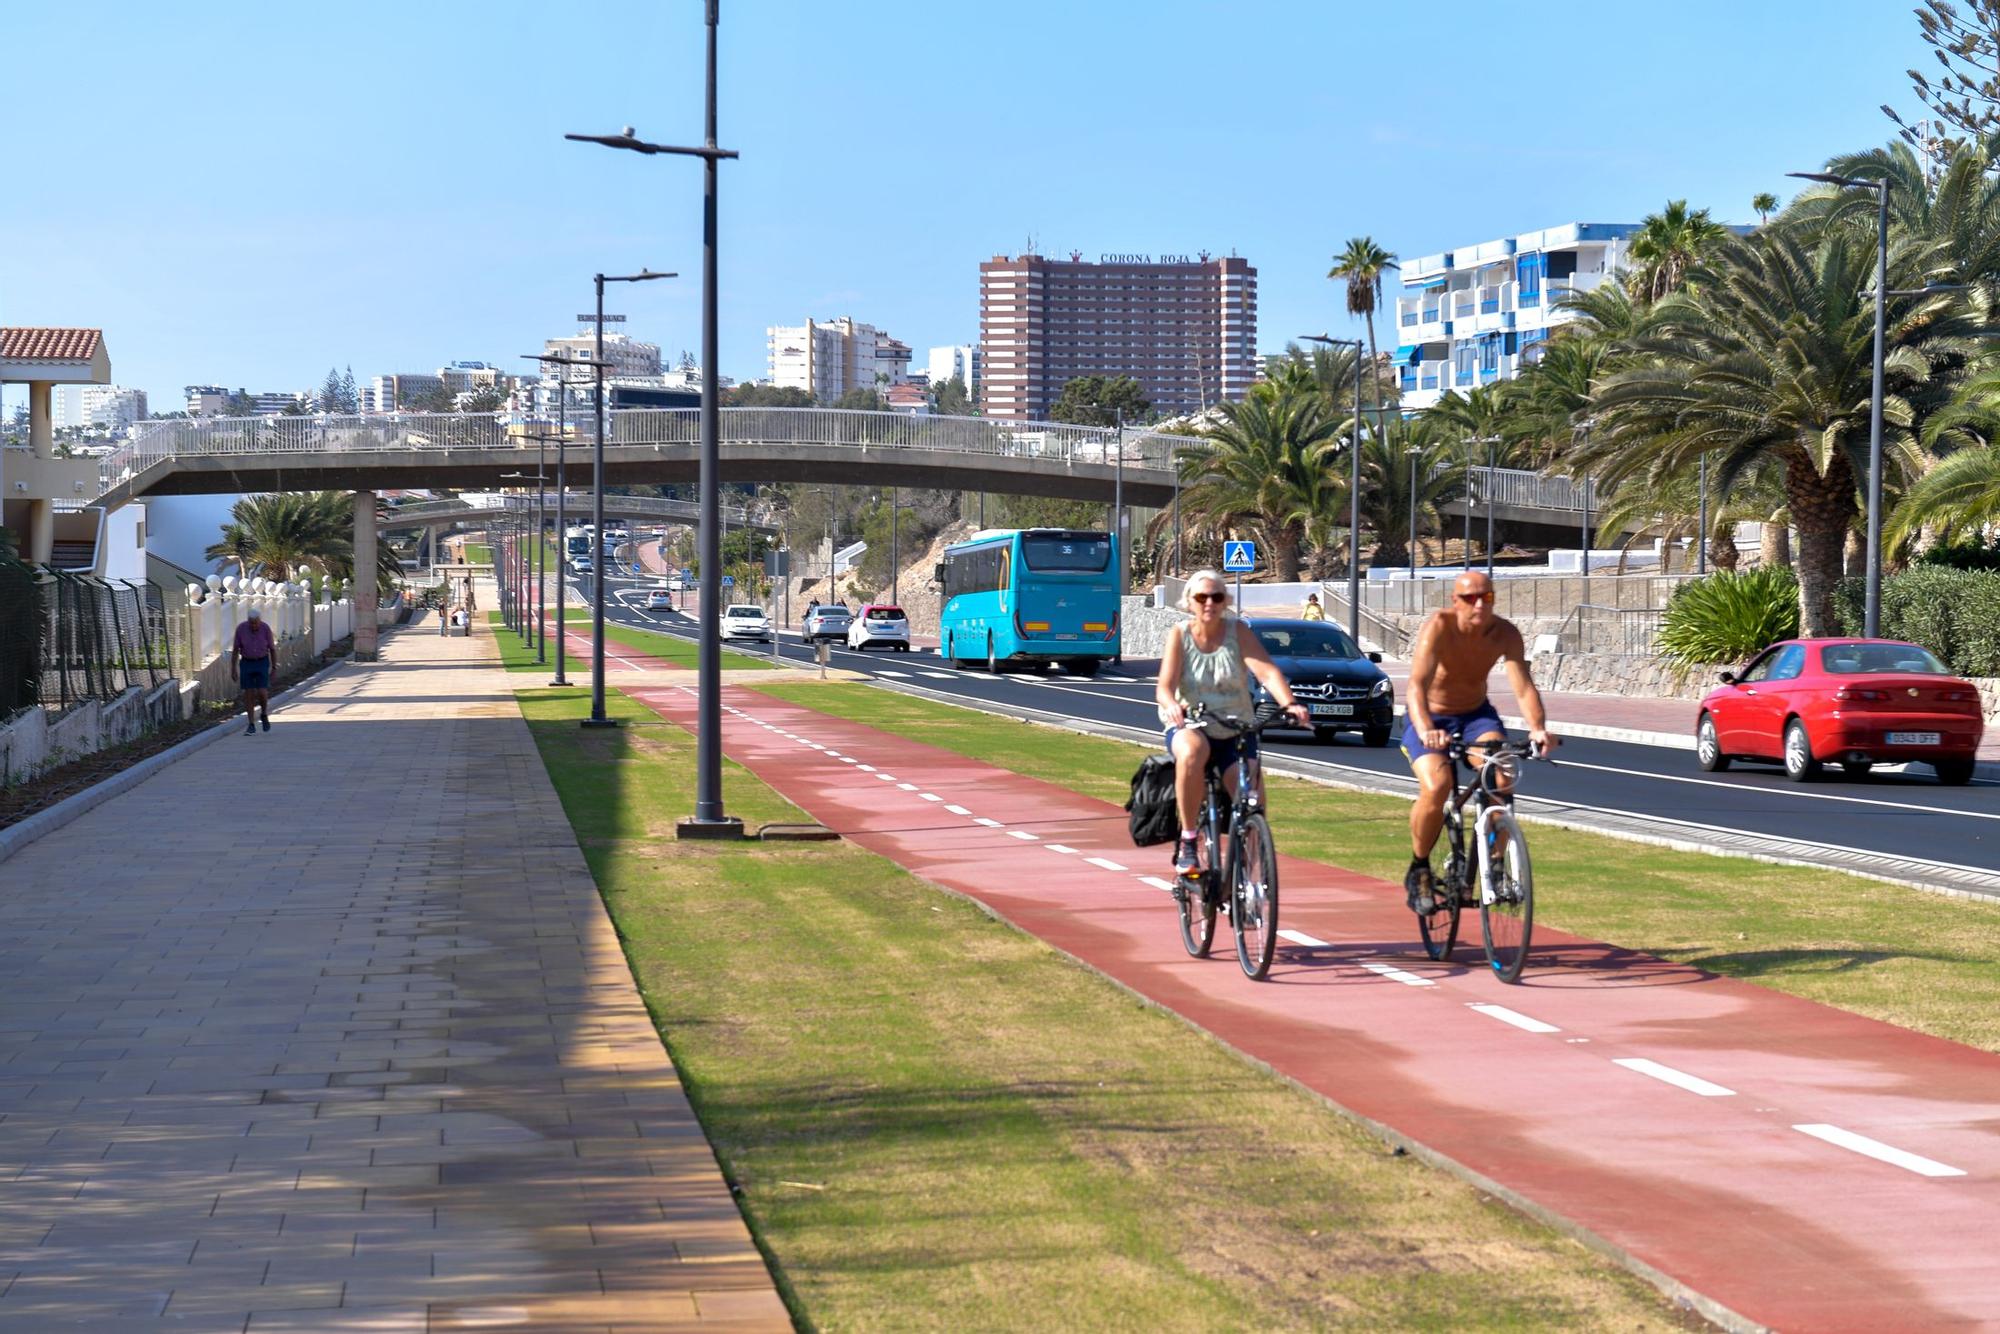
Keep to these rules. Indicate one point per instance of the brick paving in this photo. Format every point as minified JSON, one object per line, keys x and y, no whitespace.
{"x":327,"y":1029}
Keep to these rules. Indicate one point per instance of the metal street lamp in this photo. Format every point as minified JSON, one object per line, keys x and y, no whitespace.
{"x":597,"y":716}
{"x":1872,"y":614}
{"x":562,"y":493}
{"x":540,"y":561}
{"x":895,"y":562}
{"x":1353,"y":489}
{"x":1414,"y":453}
{"x":709,"y":817}
{"x":1492,"y":495}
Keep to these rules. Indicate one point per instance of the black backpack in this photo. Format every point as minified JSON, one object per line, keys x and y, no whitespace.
{"x":1154,"y":818}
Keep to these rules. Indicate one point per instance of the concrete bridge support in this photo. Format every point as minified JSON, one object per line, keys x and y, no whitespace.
{"x":366,"y":596}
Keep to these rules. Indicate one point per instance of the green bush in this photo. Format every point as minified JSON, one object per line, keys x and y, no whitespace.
{"x":1963,"y":556}
{"x":1728,"y":617}
{"x":1953,"y":613}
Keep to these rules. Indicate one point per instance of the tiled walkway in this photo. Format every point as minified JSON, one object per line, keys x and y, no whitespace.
{"x":326,"y":1029}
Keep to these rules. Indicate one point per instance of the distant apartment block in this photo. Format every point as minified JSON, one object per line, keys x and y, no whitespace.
{"x":109,"y":407}
{"x":1184,"y":327}
{"x":828,"y":359}
{"x":627,"y":355}
{"x":206,"y":400}
{"x":960,"y":361}
{"x":1479,"y":314}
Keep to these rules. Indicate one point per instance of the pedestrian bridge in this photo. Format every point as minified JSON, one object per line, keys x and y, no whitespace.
{"x":577,"y":505}
{"x":659,"y":446}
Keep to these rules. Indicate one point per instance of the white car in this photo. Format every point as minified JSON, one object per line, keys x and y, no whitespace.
{"x":676,"y":584}
{"x":879,"y":623}
{"x":659,"y":600}
{"x":743,"y":621}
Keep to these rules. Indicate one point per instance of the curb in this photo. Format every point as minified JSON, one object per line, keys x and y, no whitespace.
{"x":1606,"y":732}
{"x":70,"y":808}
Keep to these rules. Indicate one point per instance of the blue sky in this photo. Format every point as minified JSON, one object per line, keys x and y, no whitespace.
{"x":246,"y":194}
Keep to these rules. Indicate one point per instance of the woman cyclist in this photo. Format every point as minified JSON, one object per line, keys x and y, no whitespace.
{"x":1208,"y":663}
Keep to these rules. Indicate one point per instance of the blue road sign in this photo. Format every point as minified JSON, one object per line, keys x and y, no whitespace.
{"x":729,"y":581}
{"x":1239,"y":557}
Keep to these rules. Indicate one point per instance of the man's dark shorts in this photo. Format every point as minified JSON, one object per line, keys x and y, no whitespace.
{"x":1222,"y":754}
{"x":253,"y":673}
{"x":1480,"y":722}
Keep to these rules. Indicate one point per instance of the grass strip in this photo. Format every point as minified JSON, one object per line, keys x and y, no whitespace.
{"x":1922,"y":961}
{"x":936,"y":1121}
{"x":518,"y":657}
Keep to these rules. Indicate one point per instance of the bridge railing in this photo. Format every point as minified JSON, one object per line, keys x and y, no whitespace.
{"x":1052,"y":442}
{"x":577,"y":503}
{"x":1527,"y":489}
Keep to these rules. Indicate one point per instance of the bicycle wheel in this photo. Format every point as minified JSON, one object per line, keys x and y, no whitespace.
{"x":1253,"y":863}
{"x":1439,"y":927}
{"x":1509,"y":921}
{"x":1195,"y":896}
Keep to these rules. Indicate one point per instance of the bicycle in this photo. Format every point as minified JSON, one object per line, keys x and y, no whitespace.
{"x":1252,"y":870}
{"x":1506,"y":882}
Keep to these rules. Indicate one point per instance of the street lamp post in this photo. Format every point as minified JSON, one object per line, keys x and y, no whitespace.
{"x":1492,"y":495}
{"x":1414,"y":454}
{"x":535,"y":568}
{"x":1118,"y":507}
{"x":1701,"y":522}
{"x":597,"y":715}
{"x":709,"y":818}
{"x":562,"y":495}
{"x":895,"y":552}
{"x":1353,"y":490}
{"x":1872,"y":613}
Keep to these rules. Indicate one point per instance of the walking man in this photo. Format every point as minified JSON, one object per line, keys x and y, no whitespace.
{"x":250,"y":667}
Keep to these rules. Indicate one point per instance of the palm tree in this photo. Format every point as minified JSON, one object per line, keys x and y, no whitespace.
{"x":1385,"y":488}
{"x":1960,"y":495}
{"x":285,"y":531}
{"x":1362,"y":265}
{"x":235,"y":545}
{"x":1666,"y":244}
{"x":1267,"y":468}
{"x":1765,"y":362}
{"x":1764,"y":203}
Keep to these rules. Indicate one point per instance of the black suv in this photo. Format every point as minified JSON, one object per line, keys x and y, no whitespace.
{"x":1342,"y":687}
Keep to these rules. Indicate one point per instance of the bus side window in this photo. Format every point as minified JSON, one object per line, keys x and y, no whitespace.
{"x":1006,"y":561}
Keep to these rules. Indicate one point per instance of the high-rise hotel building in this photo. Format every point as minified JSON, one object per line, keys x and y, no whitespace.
{"x":1183,"y":326}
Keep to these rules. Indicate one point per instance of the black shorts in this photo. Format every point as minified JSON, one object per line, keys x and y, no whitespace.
{"x":253,"y":673}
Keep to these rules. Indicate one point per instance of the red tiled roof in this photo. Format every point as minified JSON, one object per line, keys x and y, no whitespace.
{"x":50,"y":344}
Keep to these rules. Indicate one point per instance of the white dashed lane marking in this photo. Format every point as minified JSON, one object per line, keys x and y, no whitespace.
{"x":1666,"y":1074}
{"x":1395,"y":974}
{"x":930,"y":796}
{"x":1301,"y":938}
{"x":1065,"y":850}
{"x":958,"y":810}
{"x":1521,"y":1021}
{"x":990,"y":824}
{"x":1106,"y":863}
{"x":1876,"y":1149}
{"x":1022,"y":833}
{"x":1166,"y":885}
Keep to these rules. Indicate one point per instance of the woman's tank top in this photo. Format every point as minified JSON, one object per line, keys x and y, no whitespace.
{"x":1216,"y":681}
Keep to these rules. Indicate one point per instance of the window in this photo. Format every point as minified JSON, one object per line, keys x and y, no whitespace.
{"x":1791,"y":660}
{"x":1067,"y":551}
{"x":1314,"y":641}
{"x":1855,"y":659}
{"x":981,"y":570}
{"x":1528,"y":279}
{"x":1760,"y":670}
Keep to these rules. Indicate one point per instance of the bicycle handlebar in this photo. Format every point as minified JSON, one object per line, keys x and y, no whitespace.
{"x":1266,"y":716}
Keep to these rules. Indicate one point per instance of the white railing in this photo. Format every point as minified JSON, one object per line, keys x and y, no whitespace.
{"x":1529,"y":490}
{"x":153,"y":443}
{"x":577,"y":503}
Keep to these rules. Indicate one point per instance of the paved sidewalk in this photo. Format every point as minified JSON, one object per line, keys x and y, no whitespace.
{"x":327,"y":1029}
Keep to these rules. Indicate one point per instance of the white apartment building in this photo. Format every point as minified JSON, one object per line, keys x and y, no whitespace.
{"x":1476,"y":315}
{"x":206,"y":400}
{"x":960,"y":360}
{"x":112,"y":408}
{"x":627,"y":355}
{"x":828,"y":359}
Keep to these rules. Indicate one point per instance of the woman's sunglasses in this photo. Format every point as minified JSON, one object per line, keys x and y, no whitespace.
{"x":1211,"y":597}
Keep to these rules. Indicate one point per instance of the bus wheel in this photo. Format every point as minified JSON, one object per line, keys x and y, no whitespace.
{"x":992,"y":660}
{"x":1081,"y":666}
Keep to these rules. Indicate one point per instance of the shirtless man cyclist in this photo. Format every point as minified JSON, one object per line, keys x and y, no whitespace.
{"x":1455,"y":652}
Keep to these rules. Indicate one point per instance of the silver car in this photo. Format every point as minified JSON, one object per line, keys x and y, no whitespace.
{"x":829,"y":621}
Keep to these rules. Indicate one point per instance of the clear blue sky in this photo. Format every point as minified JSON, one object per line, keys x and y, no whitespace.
{"x":245,"y":194}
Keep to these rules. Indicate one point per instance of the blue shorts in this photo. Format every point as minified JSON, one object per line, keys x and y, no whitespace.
{"x":253,"y":673}
{"x":1480,"y":722}
{"x":1223,"y":753}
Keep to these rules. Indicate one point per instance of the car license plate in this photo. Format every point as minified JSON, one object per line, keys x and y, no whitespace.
{"x":1332,"y":710}
{"x":1065,"y":636}
{"x":1913,"y":738}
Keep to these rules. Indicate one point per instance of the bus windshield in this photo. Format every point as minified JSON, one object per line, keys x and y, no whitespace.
{"x":1066,"y":551}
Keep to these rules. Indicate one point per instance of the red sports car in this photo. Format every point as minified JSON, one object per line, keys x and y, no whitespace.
{"x":1851,"y":702}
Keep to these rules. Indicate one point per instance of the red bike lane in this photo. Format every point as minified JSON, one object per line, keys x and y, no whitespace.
{"x":1798,"y":1166}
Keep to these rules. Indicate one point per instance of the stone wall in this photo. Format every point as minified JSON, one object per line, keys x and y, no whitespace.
{"x":41,"y":739}
{"x":1639,"y":675}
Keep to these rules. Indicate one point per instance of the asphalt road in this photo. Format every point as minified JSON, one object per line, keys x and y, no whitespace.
{"x":1905,"y":817}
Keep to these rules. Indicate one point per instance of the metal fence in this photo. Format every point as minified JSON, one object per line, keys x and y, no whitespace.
{"x":1592,"y":628}
{"x":1527,"y":597}
{"x":66,"y":638}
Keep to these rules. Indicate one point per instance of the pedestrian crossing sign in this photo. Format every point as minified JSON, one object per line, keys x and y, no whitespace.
{"x":1239,"y":557}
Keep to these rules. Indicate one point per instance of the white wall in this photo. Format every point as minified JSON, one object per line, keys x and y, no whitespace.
{"x":180,"y":528}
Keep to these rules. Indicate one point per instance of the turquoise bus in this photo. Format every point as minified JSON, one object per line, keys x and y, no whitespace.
{"x":1030,"y":595}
